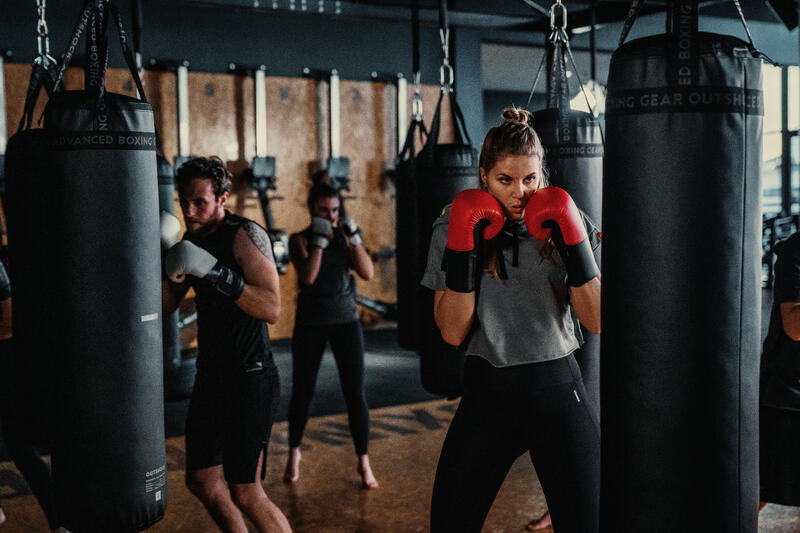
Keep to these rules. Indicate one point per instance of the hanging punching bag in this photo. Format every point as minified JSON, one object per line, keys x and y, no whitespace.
{"x":407,"y":234}
{"x":681,"y":279}
{"x":407,"y":224}
{"x":27,"y":180}
{"x":170,"y":331}
{"x":574,"y":158}
{"x":103,"y":288}
{"x":441,"y":172}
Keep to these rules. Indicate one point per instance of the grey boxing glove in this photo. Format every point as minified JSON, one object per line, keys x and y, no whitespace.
{"x":170,"y":229}
{"x":321,"y":230}
{"x":352,"y":231}
{"x":188,"y":258}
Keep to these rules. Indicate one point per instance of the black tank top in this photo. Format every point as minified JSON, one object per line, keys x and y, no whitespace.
{"x":331,"y":299}
{"x":228,"y":338}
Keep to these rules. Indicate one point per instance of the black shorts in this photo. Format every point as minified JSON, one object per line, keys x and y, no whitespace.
{"x":779,"y":463}
{"x":230,"y":420}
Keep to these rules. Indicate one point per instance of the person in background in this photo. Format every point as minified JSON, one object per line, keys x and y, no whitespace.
{"x":779,"y":409}
{"x":323,"y":255}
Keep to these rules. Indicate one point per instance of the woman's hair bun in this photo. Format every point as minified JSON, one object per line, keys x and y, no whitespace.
{"x":517,"y":116}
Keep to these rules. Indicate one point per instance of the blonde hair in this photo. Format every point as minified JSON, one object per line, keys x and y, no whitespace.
{"x":515,"y":136}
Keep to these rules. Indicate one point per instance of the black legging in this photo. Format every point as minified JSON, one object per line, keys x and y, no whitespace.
{"x":347,"y":344}
{"x":490,"y":430}
{"x":21,"y":427}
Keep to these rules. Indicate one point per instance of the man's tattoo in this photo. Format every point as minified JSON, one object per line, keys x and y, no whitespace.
{"x":260,"y":238}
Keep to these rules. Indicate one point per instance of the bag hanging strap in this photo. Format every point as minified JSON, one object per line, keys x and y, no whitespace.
{"x":407,"y":151}
{"x":557,"y":94}
{"x":636,"y":8}
{"x":127,"y":53}
{"x":433,"y":132}
{"x":87,"y":12}
{"x":97,"y":49}
{"x":459,"y":124}
{"x":458,"y":121}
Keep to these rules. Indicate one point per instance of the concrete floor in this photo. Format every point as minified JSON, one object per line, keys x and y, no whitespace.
{"x":408,"y":427}
{"x":404,"y":449}
{"x":405,"y":445}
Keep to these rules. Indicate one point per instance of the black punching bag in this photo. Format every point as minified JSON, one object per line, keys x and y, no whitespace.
{"x":441,"y":172}
{"x":407,"y":235}
{"x":104,"y":283}
{"x":681,"y":282}
{"x":574,"y":158}
{"x":170,"y":331}
{"x":27,"y":181}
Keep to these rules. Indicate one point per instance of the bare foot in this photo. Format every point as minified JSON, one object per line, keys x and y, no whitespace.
{"x":368,"y":480}
{"x":292,"y":472}
{"x":2,"y":516}
{"x":540,"y":523}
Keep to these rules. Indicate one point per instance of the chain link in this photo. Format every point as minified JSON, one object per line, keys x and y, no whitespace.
{"x":446,"y":70}
{"x":553,"y":8}
{"x":416,"y":102}
{"x":43,"y":38}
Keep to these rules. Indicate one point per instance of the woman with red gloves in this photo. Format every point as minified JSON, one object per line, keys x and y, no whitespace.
{"x":512,"y":268}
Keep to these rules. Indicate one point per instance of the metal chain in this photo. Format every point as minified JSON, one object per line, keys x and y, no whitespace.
{"x":446,"y":70}
{"x":553,"y":8}
{"x":43,"y":38}
{"x":416,"y":103}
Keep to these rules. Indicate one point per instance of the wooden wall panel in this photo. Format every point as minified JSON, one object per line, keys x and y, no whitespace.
{"x":291,"y":139}
{"x":365,"y":128}
{"x":222,"y":123}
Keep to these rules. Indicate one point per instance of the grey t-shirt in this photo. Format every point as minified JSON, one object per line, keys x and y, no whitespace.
{"x":526,"y":318}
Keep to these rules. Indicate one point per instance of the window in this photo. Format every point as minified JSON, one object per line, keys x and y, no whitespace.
{"x":771,"y":153}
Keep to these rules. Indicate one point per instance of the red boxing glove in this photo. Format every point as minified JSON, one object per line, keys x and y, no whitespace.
{"x":551,"y":212}
{"x":474,"y":215}
{"x":554,"y":205}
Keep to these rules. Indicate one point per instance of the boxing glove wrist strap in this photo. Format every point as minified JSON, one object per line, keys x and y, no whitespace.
{"x":460,"y":267}
{"x":226,"y":281}
{"x":580,"y":263}
{"x":356,"y":239}
{"x":578,"y":258}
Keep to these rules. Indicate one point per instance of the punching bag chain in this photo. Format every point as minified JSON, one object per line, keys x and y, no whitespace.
{"x":563,"y":25}
{"x":446,"y":70}
{"x":416,"y":102}
{"x":43,"y":38}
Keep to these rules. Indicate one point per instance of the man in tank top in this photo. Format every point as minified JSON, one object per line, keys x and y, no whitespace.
{"x":227,"y":260}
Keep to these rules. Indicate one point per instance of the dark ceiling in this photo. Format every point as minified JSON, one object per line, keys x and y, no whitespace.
{"x":519,"y":15}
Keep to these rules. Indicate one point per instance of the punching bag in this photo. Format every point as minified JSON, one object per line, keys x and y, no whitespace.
{"x":408,"y":253}
{"x":100,"y":247}
{"x":27,"y":179}
{"x":681,"y":280}
{"x":574,"y":157}
{"x":406,"y":237}
{"x":170,"y":331}
{"x":441,"y":172}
